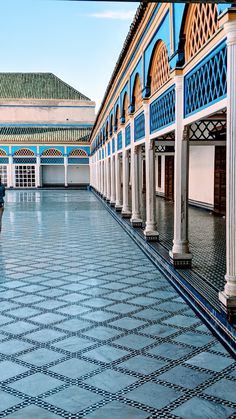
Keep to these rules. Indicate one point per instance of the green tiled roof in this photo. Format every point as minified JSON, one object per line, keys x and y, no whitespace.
{"x":36,"y":86}
{"x":9,"y":135}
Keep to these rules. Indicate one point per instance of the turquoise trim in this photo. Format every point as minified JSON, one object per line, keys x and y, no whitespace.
{"x":26,"y":147}
{"x":162,"y":33}
{"x":5,"y":148}
{"x":138,"y":70}
{"x":54,"y":147}
{"x":69,"y":149}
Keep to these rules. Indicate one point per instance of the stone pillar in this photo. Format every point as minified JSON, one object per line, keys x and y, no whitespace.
{"x":66,"y":170}
{"x":38,"y":172}
{"x":228,"y":296}
{"x":105,"y":178}
{"x":136,"y":219}
{"x":113,"y":183}
{"x":10,"y":173}
{"x":108,"y":179}
{"x":150,"y":232}
{"x":180,"y":254}
{"x":102,"y":177}
{"x":126,"y":211}
{"x":118,"y":205}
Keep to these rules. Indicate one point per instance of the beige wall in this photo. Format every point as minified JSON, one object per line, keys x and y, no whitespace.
{"x":47,"y":111}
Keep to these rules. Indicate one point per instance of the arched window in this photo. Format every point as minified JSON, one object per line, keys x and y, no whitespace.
{"x":137,"y":93}
{"x":111,"y":124}
{"x":159,"y":69}
{"x":2,"y":153}
{"x":24,"y":152}
{"x":125,"y":108}
{"x":52,"y":152}
{"x":107,"y":131}
{"x":117,"y":118}
{"x":78,"y":153}
{"x":201,"y":24}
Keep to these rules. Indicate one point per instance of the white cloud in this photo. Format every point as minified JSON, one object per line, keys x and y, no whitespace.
{"x":116,"y":15}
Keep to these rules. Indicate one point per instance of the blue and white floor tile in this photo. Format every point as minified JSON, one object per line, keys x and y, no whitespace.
{"x":90,"y":328}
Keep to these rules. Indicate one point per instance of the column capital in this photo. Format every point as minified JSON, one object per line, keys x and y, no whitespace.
{"x":179,"y":82}
{"x":230,"y":32}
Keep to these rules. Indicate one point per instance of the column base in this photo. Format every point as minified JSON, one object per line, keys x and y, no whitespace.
{"x":118,"y":207}
{"x":112,"y":203}
{"x":181,"y":260}
{"x":136,"y":222}
{"x":228,"y":306}
{"x":126,"y":214}
{"x":151,"y":236}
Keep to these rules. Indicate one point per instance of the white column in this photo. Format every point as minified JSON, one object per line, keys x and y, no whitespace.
{"x":10,"y":182}
{"x":228,"y":296}
{"x":66,"y":170}
{"x":126,"y":211}
{"x":38,"y":172}
{"x":113,"y":185}
{"x":136,"y":219}
{"x":102,"y":177}
{"x":180,"y":254}
{"x":150,"y":231}
{"x":105,"y":178}
{"x":118,"y":205}
{"x":108,"y":179}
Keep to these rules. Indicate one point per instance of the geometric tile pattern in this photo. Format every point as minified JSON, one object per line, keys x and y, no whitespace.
{"x":90,"y":328}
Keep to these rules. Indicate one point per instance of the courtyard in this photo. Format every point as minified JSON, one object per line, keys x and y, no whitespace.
{"x":90,"y":328}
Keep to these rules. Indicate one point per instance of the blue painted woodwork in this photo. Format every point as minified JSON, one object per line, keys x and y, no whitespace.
{"x":139,"y":127}
{"x":108,"y":149}
{"x":127,"y":135}
{"x":119,"y":141}
{"x":4,"y":160}
{"x":113,"y":145}
{"x":162,"y":33}
{"x":78,"y":160}
{"x":138,"y":70}
{"x":206,"y":83}
{"x":81,"y":147}
{"x":5,"y":148}
{"x":52,"y":160}
{"x":43,"y":148}
{"x":16,"y":148}
{"x":162,"y":110}
{"x":24,"y":160}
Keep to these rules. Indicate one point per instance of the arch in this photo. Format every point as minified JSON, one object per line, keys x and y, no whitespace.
{"x":24,"y":152}
{"x":111,"y":124}
{"x":52,"y":152}
{"x":137,"y":93}
{"x":201,"y":24}
{"x":159,"y":69}
{"x":78,"y":152}
{"x":117,"y":118}
{"x":125,"y":105}
{"x":107,"y":130}
{"x":3,"y":153}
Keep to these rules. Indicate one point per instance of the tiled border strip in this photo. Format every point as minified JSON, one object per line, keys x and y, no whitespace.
{"x":214,"y":320}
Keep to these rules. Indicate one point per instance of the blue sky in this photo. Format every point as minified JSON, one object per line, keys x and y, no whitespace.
{"x":79,"y":41}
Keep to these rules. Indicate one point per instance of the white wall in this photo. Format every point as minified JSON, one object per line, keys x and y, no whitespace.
{"x":201,"y":174}
{"x":78,"y":174}
{"x":53,"y":175}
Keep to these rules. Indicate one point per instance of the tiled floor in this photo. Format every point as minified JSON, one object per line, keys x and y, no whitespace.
{"x":89,"y":327}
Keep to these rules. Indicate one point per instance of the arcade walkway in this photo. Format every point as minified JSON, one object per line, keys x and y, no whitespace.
{"x":89,"y":327}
